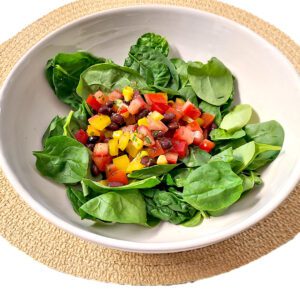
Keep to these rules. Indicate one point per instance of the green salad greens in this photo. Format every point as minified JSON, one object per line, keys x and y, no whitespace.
{"x":157,"y":139}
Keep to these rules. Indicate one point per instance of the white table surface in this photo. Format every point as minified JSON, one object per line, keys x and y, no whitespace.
{"x":275,"y":276}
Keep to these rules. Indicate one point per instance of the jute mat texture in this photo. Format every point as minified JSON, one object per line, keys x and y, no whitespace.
{"x":29,"y":232}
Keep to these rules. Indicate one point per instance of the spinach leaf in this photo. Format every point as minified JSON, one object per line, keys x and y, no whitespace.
{"x":212,"y":186}
{"x":167,"y":206}
{"x":226,"y":156}
{"x":106,"y":77}
{"x":121,"y":207}
{"x":243,"y":155}
{"x":237,"y":118}
{"x":155,"y":42}
{"x":100,"y":188}
{"x":64,"y":160}
{"x":188,"y":93}
{"x":196,"y":157}
{"x":226,"y":144}
{"x":270,"y":133}
{"x":212,"y":82}
{"x":250,"y":179}
{"x":77,"y":199}
{"x":213,"y":110}
{"x":221,"y":134}
{"x":55,"y":128}
{"x":194,"y":221}
{"x":178,"y":176}
{"x":63,"y":73}
{"x":153,"y":66}
{"x":181,"y":68}
{"x":156,"y":170}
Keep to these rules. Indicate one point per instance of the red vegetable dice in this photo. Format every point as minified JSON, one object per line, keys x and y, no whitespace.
{"x":102,"y":161}
{"x":180,"y":147}
{"x":190,"y":110}
{"x":117,"y":176}
{"x":81,"y":136}
{"x":172,"y":157}
{"x":207,"y":145}
{"x":207,"y":119}
{"x":184,"y":134}
{"x":93,"y":103}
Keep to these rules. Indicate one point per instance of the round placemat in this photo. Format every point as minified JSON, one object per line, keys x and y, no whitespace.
{"x":29,"y":232}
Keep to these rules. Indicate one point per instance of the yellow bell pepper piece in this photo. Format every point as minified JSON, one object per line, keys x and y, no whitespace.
{"x":162,"y":160}
{"x":100,"y":121}
{"x":103,"y":182}
{"x":113,"y":147}
{"x":92,"y":131}
{"x":143,"y":122}
{"x":136,"y":141}
{"x":117,"y":134}
{"x":131,"y":149}
{"x":128,"y":93}
{"x":121,"y":162}
{"x":143,"y":153}
{"x":123,"y":140}
{"x":156,"y":116}
{"x":135,"y":165}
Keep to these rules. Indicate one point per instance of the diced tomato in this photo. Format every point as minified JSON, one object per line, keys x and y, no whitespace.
{"x":190,"y":110}
{"x":102,"y":161}
{"x":184,"y":134}
{"x":93,"y":103}
{"x":156,"y":98}
{"x":129,"y":128}
{"x":207,"y":119}
{"x":101,"y":97}
{"x":118,"y":176}
{"x":115,"y":95}
{"x":172,"y":157}
{"x":194,"y":126}
{"x":178,"y":114}
{"x":155,"y":150}
{"x":156,"y":125}
{"x":207,"y":145}
{"x":136,"y":105}
{"x":198,"y":137}
{"x":146,"y":135}
{"x":130,"y":120}
{"x":180,"y":147}
{"x":100,"y":149}
{"x":160,"y":107}
{"x":81,"y":136}
{"x":110,"y":169}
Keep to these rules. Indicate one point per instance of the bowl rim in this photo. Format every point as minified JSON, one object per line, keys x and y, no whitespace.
{"x":151,"y":247}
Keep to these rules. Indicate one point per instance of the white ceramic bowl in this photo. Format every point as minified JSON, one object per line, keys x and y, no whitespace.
{"x":266,"y":80}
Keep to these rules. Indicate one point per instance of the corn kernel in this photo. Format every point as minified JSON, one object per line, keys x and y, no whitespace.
{"x":113,"y":147}
{"x":117,"y":134}
{"x":162,"y":160}
{"x":121,"y":162}
{"x":92,"y":131}
{"x":100,"y":121}
{"x":131,"y":149}
{"x":103,"y":182}
{"x":128,"y":93}
{"x":143,"y":122}
{"x":123,"y":141}
{"x":156,"y":116}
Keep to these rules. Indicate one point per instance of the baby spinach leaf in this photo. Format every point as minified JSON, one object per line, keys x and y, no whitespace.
{"x":196,"y":157}
{"x":178,"y":176}
{"x":155,"y":42}
{"x":226,"y":156}
{"x":106,"y":77}
{"x":181,"y":68}
{"x":64,"y":160}
{"x":63,"y":73}
{"x":221,"y":134}
{"x":270,"y":133}
{"x":212,"y":82}
{"x":237,"y":118}
{"x":188,"y":93}
{"x":169,"y":207}
{"x":136,"y":184}
{"x":217,"y":213}
{"x":55,"y":128}
{"x":250,"y":179}
{"x":212,"y":187}
{"x":223,"y":145}
{"x":156,"y":170}
{"x":121,"y":207}
{"x":194,"y":221}
{"x":77,"y":199}
{"x":212,"y":109}
{"x":243,"y":156}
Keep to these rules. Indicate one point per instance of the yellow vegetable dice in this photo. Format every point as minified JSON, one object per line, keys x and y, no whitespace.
{"x":121,"y":162}
{"x":123,"y":141}
{"x":117,"y":134}
{"x":135,"y":165}
{"x":103,"y":182}
{"x":156,"y":116}
{"x":131,"y":149}
{"x":162,"y":160}
{"x":128,"y":93}
{"x":143,"y":153}
{"x":113,"y":147}
{"x":136,"y":141}
{"x":100,"y":121}
{"x":143,"y":122}
{"x":92,"y":131}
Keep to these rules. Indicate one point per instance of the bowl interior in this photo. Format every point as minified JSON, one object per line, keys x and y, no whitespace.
{"x":265,"y":79}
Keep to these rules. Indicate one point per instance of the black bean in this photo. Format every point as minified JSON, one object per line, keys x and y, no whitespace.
{"x":117,"y":118}
{"x":147,"y":161}
{"x":115,"y":183}
{"x":168,"y":117}
{"x":110,"y":104}
{"x":94,"y":170}
{"x":157,"y":134}
{"x":173,"y":125}
{"x":93,"y":139}
{"x":90,"y":146}
{"x":165,"y":143}
{"x":105,"y":110}
{"x":143,"y":113}
{"x":112,"y":126}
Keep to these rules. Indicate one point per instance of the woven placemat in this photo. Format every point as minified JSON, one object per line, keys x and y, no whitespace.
{"x":25,"y":229}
